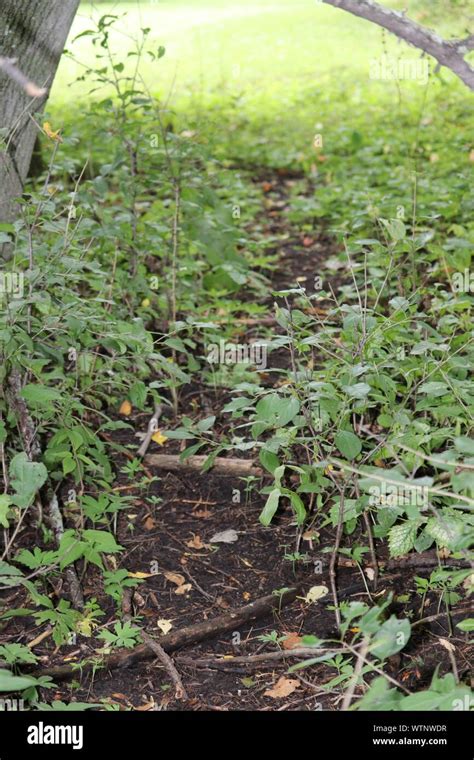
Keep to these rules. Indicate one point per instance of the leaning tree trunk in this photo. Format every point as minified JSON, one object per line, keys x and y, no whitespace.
{"x":32,"y":33}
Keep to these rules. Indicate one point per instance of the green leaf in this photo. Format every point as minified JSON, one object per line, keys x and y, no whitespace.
{"x":270,"y":508}
{"x":446,"y":530}
{"x":391,"y":637}
{"x":464,"y":445}
{"x":466,"y":625}
{"x":269,"y":460}
{"x":298,"y":506}
{"x":359,"y":390}
{"x":40,"y":394}
{"x":26,"y":478}
{"x":5,"y":503}
{"x":401,"y":538}
{"x":9,"y":682}
{"x":348,"y":444}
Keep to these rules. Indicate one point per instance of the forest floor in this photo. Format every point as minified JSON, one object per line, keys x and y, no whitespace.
{"x":187,"y":578}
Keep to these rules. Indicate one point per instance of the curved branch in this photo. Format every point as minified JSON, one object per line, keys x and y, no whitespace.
{"x":449,"y":54}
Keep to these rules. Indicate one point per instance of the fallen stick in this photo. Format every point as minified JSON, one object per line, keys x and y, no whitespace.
{"x":180,"y":691}
{"x":221,"y":466}
{"x":257,"y":659}
{"x":192,"y":634}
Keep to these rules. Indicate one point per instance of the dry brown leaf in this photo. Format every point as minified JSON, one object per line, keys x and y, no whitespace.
{"x":246,"y":596}
{"x":283,"y":687}
{"x":149,"y":523}
{"x":291,"y":641}
{"x":196,"y":542}
{"x":176,"y":578}
{"x":447,"y":645}
{"x":146,"y":707}
{"x":183,"y":589}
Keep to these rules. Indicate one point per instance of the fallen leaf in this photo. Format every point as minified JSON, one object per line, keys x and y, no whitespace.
{"x":125,"y":408}
{"x":315,"y":593}
{"x":146,"y":707}
{"x":447,"y":645}
{"x":165,"y":626}
{"x":159,"y":438}
{"x":149,"y":523}
{"x":370,"y":572}
{"x":266,"y":187}
{"x":196,"y":542}
{"x":183,"y":589}
{"x":225,"y":537}
{"x":283,"y":687}
{"x":246,"y":596}
{"x":291,"y":641}
{"x":141,"y":575}
{"x":175,"y":578}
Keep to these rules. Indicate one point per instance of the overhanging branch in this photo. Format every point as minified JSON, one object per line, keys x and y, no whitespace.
{"x":449,"y":54}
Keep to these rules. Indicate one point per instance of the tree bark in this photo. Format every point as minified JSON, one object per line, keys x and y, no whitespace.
{"x":33,"y":33}
{"x":449,"y":53}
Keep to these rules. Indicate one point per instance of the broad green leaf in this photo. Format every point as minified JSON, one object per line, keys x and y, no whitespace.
{"x":10,"y":682}
{"x":40,"y":395}
{"x":348,"y":444}
{"x":391,"y":637}
{"x":401,"y":539}
{"x":271,"y":506}
{"x":26,"y":478}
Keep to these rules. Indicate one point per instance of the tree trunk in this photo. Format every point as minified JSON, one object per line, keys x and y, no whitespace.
{"x":33,"y":33}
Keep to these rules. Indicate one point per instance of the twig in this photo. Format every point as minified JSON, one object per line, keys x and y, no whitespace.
{"x":180,"y":691}
{"x":152,"y":428}
{"x":221,"y":465}
{"x":55,"y":520}
{"x":334,"y":558}
{"x":257,"y":659}
{"x":192,"y":634}
{"x":364,"y":647}
{"x":8,"y":65}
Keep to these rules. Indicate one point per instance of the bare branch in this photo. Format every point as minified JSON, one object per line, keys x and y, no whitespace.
{"x":8,"y":65}
{"x":449,"y":54}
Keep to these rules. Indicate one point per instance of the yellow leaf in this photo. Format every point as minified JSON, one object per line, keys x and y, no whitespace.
{"x":51,"y":133}
{"x":141,"y":575}
{"x":159,"y":438}
{"x":125,"y":408}
{"x":145,"y":303}
{"x":283,"y":687}
{"x":315,"y":593}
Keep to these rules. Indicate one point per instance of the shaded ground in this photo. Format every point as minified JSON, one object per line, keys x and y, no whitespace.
{"x":188,"y":579}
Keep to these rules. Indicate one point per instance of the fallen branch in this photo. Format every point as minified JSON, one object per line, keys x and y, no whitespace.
{"x":447,"y":53}
{"x":192,"y":634}
{"x":180,"y":691}
{"x":258,"y":659}
{"x":221,"y":466}
{"x":55,"y":520}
